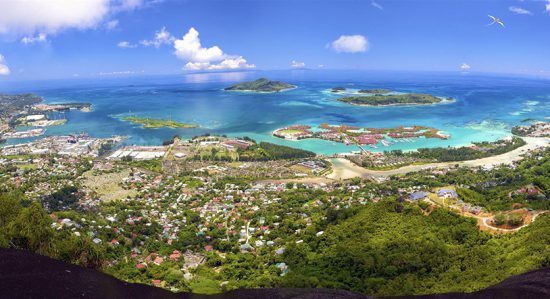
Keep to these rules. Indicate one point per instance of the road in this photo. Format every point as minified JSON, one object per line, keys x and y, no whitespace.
{"x":344,"y":169}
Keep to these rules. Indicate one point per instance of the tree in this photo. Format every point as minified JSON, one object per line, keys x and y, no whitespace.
{"x":31,"y":229}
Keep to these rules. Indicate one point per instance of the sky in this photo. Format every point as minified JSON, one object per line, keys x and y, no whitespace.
{"x":100,"y":38}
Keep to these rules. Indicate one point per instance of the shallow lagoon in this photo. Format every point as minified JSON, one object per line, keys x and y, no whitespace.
{"x":485,"y":107}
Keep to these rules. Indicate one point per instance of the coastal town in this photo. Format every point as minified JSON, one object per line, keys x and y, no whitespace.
{"x":28,"y":111}
{"x":202,"y":200}
{"x":185,"y":214}
{"x":355,"y":135}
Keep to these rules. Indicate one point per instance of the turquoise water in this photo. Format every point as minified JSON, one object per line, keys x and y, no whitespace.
{"x":485,"y":108}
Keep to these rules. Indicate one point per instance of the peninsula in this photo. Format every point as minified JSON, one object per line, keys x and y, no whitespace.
{"x":153,"y":123}
{"x":261,"y":85}
{"x":392,"y":99}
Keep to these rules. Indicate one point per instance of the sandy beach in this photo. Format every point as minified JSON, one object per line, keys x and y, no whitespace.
{"x":344,"y":169}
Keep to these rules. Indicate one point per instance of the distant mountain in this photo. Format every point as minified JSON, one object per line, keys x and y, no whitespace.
{"x":261,"y":85}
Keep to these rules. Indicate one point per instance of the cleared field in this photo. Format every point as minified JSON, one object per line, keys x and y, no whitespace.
{"x":107,"y":185}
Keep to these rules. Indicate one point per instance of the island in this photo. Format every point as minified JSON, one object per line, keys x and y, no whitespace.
{"x":374,"y":91}
{"x":393,"y":99}
{"x":338,"y":89}
{"x":153,"y":123}
{"x":261,"y":85}
{"x":352,"y":135}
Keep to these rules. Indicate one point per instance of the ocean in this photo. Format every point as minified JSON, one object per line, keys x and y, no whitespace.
{"x":485,"y":106}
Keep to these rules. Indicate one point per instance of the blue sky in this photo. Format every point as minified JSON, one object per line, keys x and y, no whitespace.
{"x":117,"y":37}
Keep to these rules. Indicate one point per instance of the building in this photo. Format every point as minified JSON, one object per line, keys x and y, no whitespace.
{"x":447,"y":193}
{"x":418,"y":195}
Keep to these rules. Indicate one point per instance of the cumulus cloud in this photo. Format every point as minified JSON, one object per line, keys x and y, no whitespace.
{"x":350,"y":44}
{"x":4,"y":70}
{"x":190,"y":49}
{"x":40,"y":38}
{"x":31,"y":16}
{"x":126,"y":45}
{"x":162,"y":37}
{"x":548,"y":6}
{"x":375,"y":4}
{"x":519,"y":10}
{"x":298,"y":64}
{"x":465,"y":67}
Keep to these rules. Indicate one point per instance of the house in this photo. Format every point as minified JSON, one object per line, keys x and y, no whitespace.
{"x":176,"y":255}
{"x":418,"y":195}
{"x":476,"y":210}
{"x":447,"y":193}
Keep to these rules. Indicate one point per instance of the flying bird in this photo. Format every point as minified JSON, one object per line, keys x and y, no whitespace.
{"x":496,"y":20}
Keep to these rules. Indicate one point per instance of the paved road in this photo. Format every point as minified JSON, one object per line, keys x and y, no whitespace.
{"x":344,"y":169}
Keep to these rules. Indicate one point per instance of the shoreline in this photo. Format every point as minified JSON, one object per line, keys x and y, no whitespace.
{"x":256,"y":91}
{"x":343,"y":169}
{"x":442,"y":102}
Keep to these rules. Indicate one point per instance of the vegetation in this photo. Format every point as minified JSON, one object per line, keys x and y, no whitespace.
{"x":391,"y":99}
{"x":25,"y":225}
{"x":450,"y":154}
{"x":261,"y":85}
{"x":388,"y":253}
{"x":13,"y":103}
{"x":154,"y":165}
{"x":338,"y":89}
{"x":375,"y":91}
{"x":152,"y":123}
{"x":264,"y":151}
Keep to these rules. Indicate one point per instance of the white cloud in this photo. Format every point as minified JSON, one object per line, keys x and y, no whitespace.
{"x":40,"y":38}
{"x":375,"y":4}
{"x":548,"y":6}
{"x":189,"y":48}
{"x":27,"y":17}
{"x":127,"y":4}
{"x":162,"y":37}
{"x":350,"y":44}
{"x":4,"y":70}
{"x":465,"y":67}
{"x":126,"y":45}
{"x":298,"y":64}
{"x":111,"y":24}
{"x":519,"y":10}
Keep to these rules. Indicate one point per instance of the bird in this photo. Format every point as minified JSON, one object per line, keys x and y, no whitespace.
{"x":496,"y":20}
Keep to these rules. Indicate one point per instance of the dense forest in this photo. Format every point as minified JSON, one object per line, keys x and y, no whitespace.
{"x":386,"y":252}
{"x":388,"y":248}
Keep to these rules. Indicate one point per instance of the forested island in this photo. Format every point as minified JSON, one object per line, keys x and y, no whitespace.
{"x":393,"y":99}
{"x":374,"y":91}
{"x":153,"y":123}
{"x":261,"y":85}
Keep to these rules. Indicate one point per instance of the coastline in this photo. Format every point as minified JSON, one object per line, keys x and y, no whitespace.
{"x":344,"y":169}
{"x":257,"y":91}
{"x":443,"y":101}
